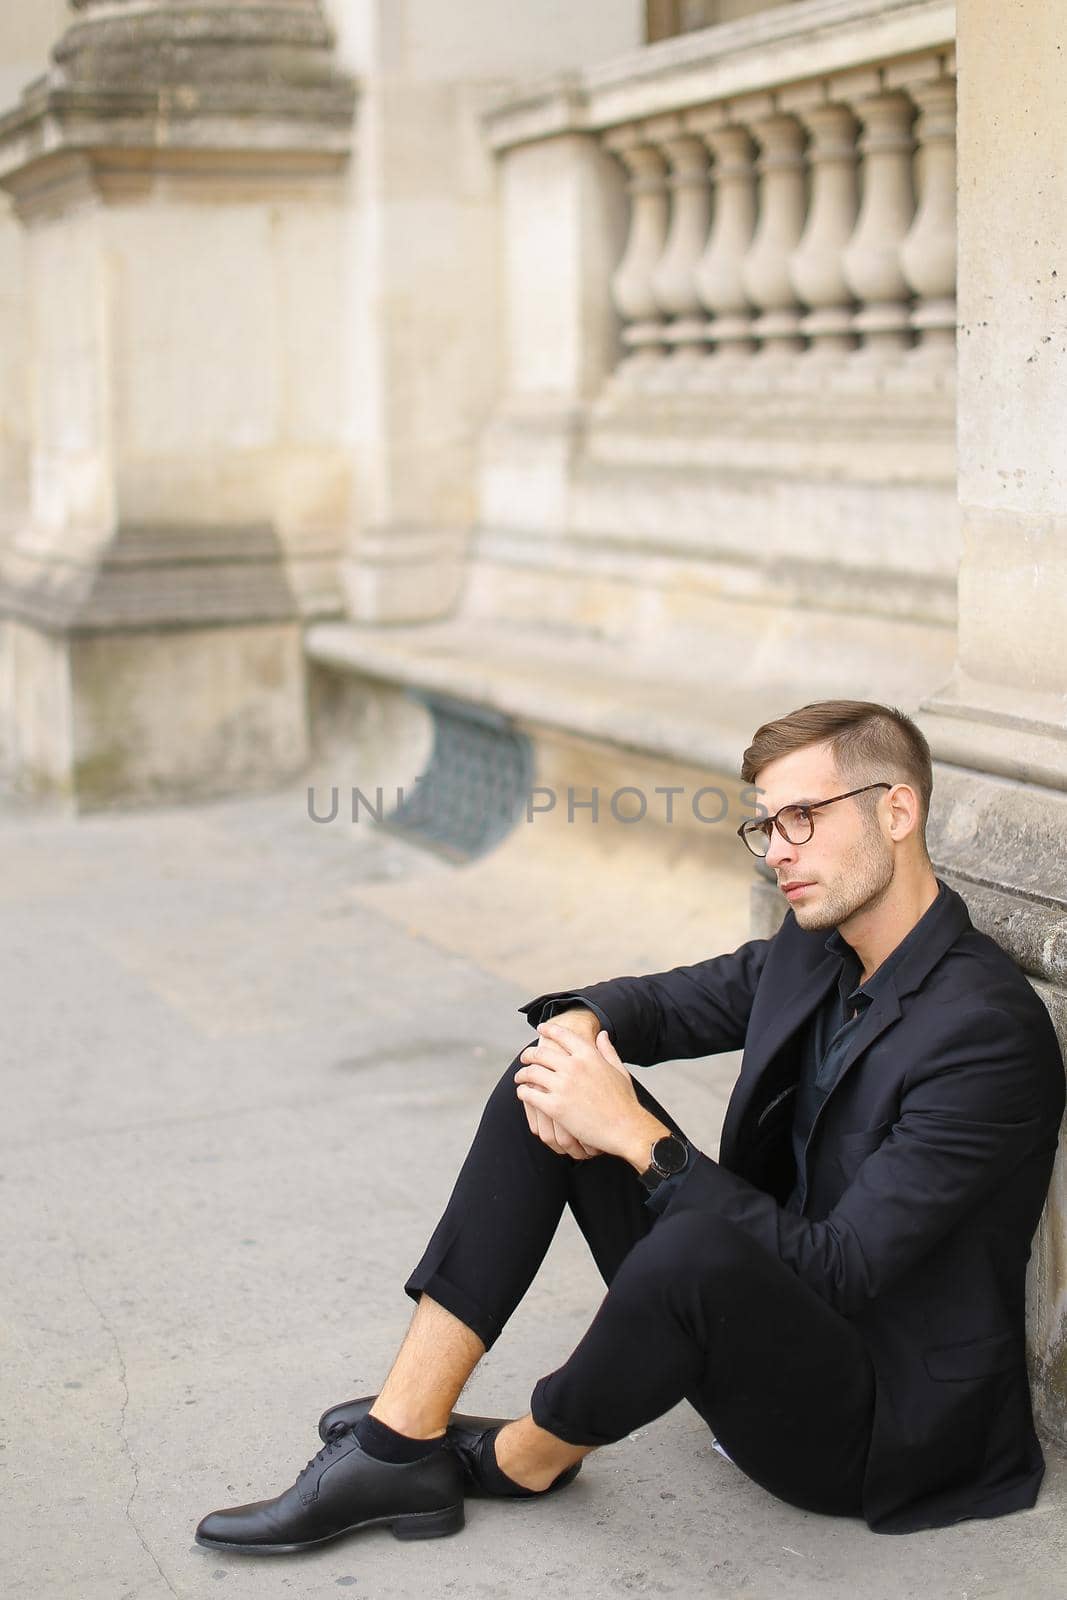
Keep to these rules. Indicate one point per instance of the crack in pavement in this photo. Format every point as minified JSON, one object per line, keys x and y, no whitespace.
{"x":106,"y":1324}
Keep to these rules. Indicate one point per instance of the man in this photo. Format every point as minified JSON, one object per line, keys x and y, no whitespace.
{"x":841,"y":1294}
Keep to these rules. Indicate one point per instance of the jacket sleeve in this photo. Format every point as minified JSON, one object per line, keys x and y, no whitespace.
{"x":988,"y":1095}
{"x":686,"y":1011}
{"x":542,"y":1010}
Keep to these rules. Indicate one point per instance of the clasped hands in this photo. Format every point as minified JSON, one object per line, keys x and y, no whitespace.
{"x":579,"y":1097}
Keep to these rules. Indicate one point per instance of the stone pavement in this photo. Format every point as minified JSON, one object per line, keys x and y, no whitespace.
{"x":243,"y":1055}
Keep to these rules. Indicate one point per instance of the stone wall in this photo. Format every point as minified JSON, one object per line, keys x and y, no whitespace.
{"x":427,"y":341}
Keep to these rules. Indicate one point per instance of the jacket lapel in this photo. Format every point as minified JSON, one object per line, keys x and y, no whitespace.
{"x":761,"y":1051}
{"x":876,"y":1019}
{"x":949,"y":918}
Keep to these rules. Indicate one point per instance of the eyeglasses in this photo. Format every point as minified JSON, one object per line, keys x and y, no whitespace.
{"x":796,"y":824}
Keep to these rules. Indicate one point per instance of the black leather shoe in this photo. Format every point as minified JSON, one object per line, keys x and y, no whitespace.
{"x":342,"y":1489}
{"x":464,"y":1437}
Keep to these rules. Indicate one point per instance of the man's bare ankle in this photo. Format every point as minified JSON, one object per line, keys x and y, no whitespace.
{"x":520,"y":1463}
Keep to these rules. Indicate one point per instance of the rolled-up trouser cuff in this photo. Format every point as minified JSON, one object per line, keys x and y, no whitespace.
{"x":455,"y":1301}
{"x":546,"y":1418}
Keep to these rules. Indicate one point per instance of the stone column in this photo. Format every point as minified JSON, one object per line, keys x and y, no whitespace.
{"x":177,"y":179}
{"x":644,"y":328}
{"x":674,"y":277}
{"x":817,"y":264}
{"x":27,"y":34}
{"x":998,"y":729}
{"x":779,"y":227}
{"x":719,"y":275}
{"x":872,"y":258}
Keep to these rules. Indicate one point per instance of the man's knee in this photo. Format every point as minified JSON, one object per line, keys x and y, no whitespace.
{"x":503,"y":1101}
{"x":699,"y":1244}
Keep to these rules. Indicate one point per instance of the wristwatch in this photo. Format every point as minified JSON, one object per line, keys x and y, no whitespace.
{"x":670,"y":1155}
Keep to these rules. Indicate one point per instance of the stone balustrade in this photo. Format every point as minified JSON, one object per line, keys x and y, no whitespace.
{"x":791,"y":193}
{"x":725,"y":434}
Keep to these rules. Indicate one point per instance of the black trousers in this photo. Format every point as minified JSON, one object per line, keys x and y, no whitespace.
{"x":695,"y":1310}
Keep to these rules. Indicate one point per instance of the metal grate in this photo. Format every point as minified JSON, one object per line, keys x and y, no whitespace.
{"x":476,"y":785}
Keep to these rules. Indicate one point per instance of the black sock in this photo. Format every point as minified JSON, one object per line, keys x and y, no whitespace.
{"x":492,"y":1473}
{"x":385,"y":1444}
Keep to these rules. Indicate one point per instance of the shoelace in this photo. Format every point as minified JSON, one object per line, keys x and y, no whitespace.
{"x":338,"y":1435}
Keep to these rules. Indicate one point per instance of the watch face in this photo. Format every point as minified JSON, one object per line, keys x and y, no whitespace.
{"x":669,"y":1154}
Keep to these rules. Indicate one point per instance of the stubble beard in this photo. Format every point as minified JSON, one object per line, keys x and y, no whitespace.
{"x":859,"y":884}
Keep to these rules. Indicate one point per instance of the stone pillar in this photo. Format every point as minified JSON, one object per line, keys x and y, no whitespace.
{"x":27,"y":34}
{"x":563,"y":208}
{"x":998,"y":729}
{"x":719,"y":275}
{"x":177,"y":176}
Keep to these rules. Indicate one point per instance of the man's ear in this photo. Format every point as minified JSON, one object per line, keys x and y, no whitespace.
{"x":903,"y":811}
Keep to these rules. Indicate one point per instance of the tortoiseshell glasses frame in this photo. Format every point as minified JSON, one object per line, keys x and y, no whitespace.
{"x":795,"y":823}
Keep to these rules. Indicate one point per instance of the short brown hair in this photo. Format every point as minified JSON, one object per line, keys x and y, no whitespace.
{"x":868,"y":742}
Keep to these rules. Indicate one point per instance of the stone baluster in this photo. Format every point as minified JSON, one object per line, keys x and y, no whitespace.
{"x":872,"y":258}
{"x":928,"y":253}
{"x":674,"y":277}
{"x":644,"y":329}
{"x":816,"y":266}
{"x":782,"y":205}
{"x":719,"y":275}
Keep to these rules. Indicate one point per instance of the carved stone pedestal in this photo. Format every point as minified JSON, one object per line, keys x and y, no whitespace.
{"x":177,"y":173}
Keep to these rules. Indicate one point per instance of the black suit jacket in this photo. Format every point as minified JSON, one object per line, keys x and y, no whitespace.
{"x":928,"y":1166}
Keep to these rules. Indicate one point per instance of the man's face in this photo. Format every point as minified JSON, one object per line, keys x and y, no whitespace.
{"x":848,"y":863}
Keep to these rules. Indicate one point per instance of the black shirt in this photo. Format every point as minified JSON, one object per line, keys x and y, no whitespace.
{"x":826,"y":1038}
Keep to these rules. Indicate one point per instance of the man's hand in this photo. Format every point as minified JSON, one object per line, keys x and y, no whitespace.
{"x":557,"y":1138}
{"x":587,"y":1024}
{"x":586,"y":1093}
